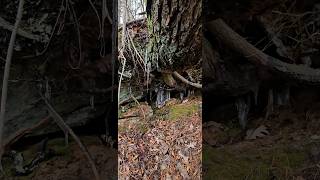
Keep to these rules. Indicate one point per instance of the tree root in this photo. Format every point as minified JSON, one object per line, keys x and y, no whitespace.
{"x":181,"y":78}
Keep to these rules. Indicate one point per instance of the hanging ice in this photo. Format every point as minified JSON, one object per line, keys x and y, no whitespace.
{"x":282,"y":95}
{"x":162,"y":97}
{"x":243,"y":107}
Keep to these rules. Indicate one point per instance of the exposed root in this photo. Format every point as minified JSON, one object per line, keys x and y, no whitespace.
{"x":196,"y":85}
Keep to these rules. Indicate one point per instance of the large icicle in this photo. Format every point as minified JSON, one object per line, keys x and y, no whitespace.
{"x":282,"y":95}
{"x":243,"y":106}
{"x":162,"y":97}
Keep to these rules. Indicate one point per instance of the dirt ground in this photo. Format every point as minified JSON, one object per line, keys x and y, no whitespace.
{"x":161,"y":143}
{"x":287,"y":147}
{"x":69,"y":163}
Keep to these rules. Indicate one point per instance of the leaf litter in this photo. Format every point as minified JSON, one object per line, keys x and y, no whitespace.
{"x":169,"y":149}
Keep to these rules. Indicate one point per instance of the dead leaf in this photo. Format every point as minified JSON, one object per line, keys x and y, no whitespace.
{"x":183,"y":171}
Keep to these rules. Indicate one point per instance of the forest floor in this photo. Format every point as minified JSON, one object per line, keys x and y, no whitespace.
{"x":164,"y":143}
{"x":285,"y":146}
{"x":69,"y":163}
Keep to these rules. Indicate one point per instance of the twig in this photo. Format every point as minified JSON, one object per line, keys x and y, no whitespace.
{"x":295,"y":15}
{"x":141,"y":62}
{"x":97,"y":14}
{"x":54,"y":27}
{"x":120,"y":80}
{"x":77,"y":26}
{"x":58,"y":119}
{"x":3,"y":59}
{"x":6,"y":76}
{"x":196,"y":85}
{"x":6,"y":25}
{"x":142,"y":111}
{"x":105,"y":13}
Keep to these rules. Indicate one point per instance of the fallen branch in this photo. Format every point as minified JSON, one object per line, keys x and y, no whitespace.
{"x":196,"y":85}
{"x":6,"y":25}
{"x":58,"y":119}
{"x":23,"y":132}
{"x":6,"y":77}
{"x":236,"y":42}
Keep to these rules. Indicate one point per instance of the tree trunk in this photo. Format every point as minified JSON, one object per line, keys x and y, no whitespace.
{"x":174,"y":33}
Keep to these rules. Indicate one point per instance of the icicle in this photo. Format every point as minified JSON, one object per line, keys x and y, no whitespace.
{"x":66,"y":138}
{"x":270,"y":103}
{"x":168,"y":95}
{"x":255,"y":94}
{"x":306,"y":61}
{"x":282,"y":95}
{"x":181,"y":96}
{"x":92,"y":102}
{"x":162,"y":97}
{"x":47,"y":93}
{"x":190,"y":92}
{"x":243,"y":107}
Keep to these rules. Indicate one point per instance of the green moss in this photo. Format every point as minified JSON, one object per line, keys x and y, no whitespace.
{"x":252,"y":163}
{"x":182,"y":111}
{"x":122,"y":129}
{"x":221,"y":164}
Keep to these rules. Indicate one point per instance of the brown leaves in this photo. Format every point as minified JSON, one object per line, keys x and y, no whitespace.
{"x":169,"y":150}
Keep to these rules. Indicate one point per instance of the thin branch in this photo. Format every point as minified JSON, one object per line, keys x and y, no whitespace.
{"x":137,"y":102}
{"x":58,"y":119}
{"x":121,"y":76}
{"x":105,"y":13}
{"x":54,"y":27}
{"x":6,"y":76}
{"x":77,"y":26}
{"x":98,"y":17}
{"x":6,"y":25}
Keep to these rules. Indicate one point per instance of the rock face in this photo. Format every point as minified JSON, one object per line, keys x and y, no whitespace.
{"x":77,"y":80}
{"x":226,"y":78}
{"x":26,"y":108}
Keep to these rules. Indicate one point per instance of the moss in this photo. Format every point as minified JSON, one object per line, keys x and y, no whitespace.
{"x":181,"y":111}
{"x":122,"y":129}
{"x":251,"y":163}
{"x":221,"y":164}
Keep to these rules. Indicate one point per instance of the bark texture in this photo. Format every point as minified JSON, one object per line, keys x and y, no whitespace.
{"x":175,"y":33}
